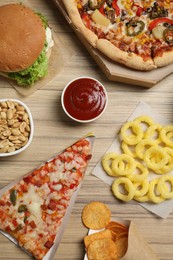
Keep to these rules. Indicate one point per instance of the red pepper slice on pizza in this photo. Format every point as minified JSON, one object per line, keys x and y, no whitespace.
{"x":136,"y":33}
{"x":33,"y":209}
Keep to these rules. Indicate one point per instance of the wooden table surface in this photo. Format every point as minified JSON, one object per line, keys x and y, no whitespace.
{"x":54,"y":131}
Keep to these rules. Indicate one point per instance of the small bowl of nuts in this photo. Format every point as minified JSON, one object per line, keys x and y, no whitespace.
{"x":16,"y":127}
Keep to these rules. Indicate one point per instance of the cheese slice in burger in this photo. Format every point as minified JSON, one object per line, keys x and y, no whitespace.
{"x":25,"y":42}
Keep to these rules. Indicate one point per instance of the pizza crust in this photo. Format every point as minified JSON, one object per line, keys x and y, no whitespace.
{"x":129,"y":59}
{"x":74,"y":15}
{"x":164,"y":60}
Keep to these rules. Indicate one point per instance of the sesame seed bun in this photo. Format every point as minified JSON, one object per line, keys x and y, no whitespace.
{"x":22,"y":37}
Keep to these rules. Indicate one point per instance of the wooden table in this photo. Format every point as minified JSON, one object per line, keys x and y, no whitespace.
{"x":54,"y":131}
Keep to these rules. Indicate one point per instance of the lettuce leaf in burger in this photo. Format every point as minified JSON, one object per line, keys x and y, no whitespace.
{"x":25,"y":44}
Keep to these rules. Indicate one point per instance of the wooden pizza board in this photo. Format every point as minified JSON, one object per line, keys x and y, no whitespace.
{"x":115,"y":71}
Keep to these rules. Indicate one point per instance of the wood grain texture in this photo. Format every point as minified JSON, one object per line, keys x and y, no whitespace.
{"x":54,"y":131}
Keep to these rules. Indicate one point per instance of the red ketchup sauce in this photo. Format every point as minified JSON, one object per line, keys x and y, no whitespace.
{"x":84,"y":99}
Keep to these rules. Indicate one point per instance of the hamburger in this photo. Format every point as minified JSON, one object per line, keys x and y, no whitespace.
{"x":25,"y":44}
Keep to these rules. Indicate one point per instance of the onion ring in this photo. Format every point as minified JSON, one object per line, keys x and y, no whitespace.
{"x":144,"y":144}
{"x":139,"y":177}
{"x":107,"y":163}
{"x":129,"y":165}
{"x":150,"y":132}
{"x":144,"y":198}
{"x":169,"y":166}
{"x":128,"y":186}
{"x":137,"y":133}
{"x":166,"y":136}
{"x":156,"y":158}
{"x":170,"y":134}
{"x":151,"y":192}
{"x":126,"y":149}
{"x":162,"y":187}
{"x":145,"y":119}
{"x":144,"y":185}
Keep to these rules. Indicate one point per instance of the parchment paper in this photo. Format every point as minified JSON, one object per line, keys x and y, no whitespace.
{"x":163,"y":209}
{"x":138,"y":248}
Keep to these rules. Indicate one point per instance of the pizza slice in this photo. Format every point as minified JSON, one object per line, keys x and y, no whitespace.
{"x":32,"y":210}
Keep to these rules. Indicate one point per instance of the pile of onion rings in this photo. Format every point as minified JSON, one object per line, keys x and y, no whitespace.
{"x":146,"y":147}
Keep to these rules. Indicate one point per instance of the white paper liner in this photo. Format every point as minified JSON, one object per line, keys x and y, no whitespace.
{"x":50,"y":254}
{"x":163,"y":209}
{"x":138,"y":248}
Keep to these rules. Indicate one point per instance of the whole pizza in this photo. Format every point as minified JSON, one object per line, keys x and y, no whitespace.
{"x":33,"y":209}
{"x":136,"y":33}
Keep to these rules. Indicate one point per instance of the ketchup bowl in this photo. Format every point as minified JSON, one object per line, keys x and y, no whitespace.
{"x":84,"y":99}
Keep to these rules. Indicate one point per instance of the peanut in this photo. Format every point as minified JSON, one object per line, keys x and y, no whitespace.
{"x":14,"y":126}
{"x":9,"y":113}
